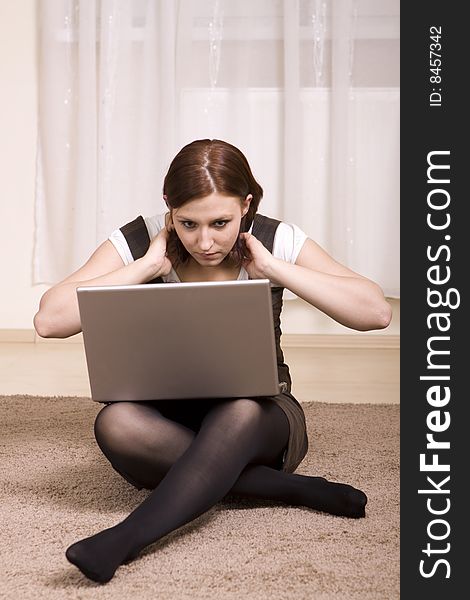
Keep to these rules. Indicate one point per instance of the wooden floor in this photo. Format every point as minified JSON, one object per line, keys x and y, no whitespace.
{"x":323,"y":374}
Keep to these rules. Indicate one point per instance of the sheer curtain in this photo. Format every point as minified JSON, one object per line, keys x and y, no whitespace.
{"x":307,"y":89}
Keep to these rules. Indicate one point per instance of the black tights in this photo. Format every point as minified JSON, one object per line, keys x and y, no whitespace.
{"x":237,"y":449}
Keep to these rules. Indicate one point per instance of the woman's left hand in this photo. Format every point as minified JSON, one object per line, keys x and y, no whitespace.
{"x":258,"y":259}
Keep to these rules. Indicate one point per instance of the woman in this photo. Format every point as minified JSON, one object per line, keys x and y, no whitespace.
{"x":192,"y":454}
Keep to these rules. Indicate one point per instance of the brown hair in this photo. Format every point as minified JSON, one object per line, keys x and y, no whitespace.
{"x":200,"y":169}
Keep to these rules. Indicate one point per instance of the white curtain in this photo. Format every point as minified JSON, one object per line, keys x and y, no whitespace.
{"x":307,"y":89}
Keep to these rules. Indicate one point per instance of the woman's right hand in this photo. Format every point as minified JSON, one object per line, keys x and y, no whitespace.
{"x":156,"y":254}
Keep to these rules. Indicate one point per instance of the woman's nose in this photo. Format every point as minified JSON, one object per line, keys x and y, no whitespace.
{"x":205,"y":241}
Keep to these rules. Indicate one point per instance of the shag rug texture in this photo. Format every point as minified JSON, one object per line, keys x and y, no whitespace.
{"x":56,"y":488}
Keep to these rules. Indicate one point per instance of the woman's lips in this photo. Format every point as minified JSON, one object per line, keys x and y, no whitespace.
{"x":208,"y":255}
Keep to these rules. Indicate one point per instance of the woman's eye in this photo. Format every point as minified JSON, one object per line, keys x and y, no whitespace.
{"x":191,"y":225}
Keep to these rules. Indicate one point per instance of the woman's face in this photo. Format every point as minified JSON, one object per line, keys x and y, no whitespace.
{"x":208,"y":227}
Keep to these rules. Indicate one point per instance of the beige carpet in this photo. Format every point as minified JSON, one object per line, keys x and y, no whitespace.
{"x":56,"y":488}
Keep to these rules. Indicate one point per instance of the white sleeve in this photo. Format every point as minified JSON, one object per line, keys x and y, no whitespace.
{"x":119,"y":242}
{"x":288,"y":242}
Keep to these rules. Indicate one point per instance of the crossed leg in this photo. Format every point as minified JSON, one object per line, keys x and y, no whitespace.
{"x":236,"y":450}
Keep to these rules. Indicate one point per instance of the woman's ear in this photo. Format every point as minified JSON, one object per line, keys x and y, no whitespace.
{"x":169,"y":222}
{"x":246,"y":204}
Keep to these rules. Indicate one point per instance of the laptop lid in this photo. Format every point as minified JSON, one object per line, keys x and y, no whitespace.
{"x":179,"y":340}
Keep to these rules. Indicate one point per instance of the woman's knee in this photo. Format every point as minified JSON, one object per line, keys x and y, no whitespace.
{"x":117,"y":425}
{"x":136,"y":430}
{"x":240,"y":409}
{"x":254,"y":408}
{"x":244,"y":413}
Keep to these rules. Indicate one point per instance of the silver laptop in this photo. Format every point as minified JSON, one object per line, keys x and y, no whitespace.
{"x":179,"y":340}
